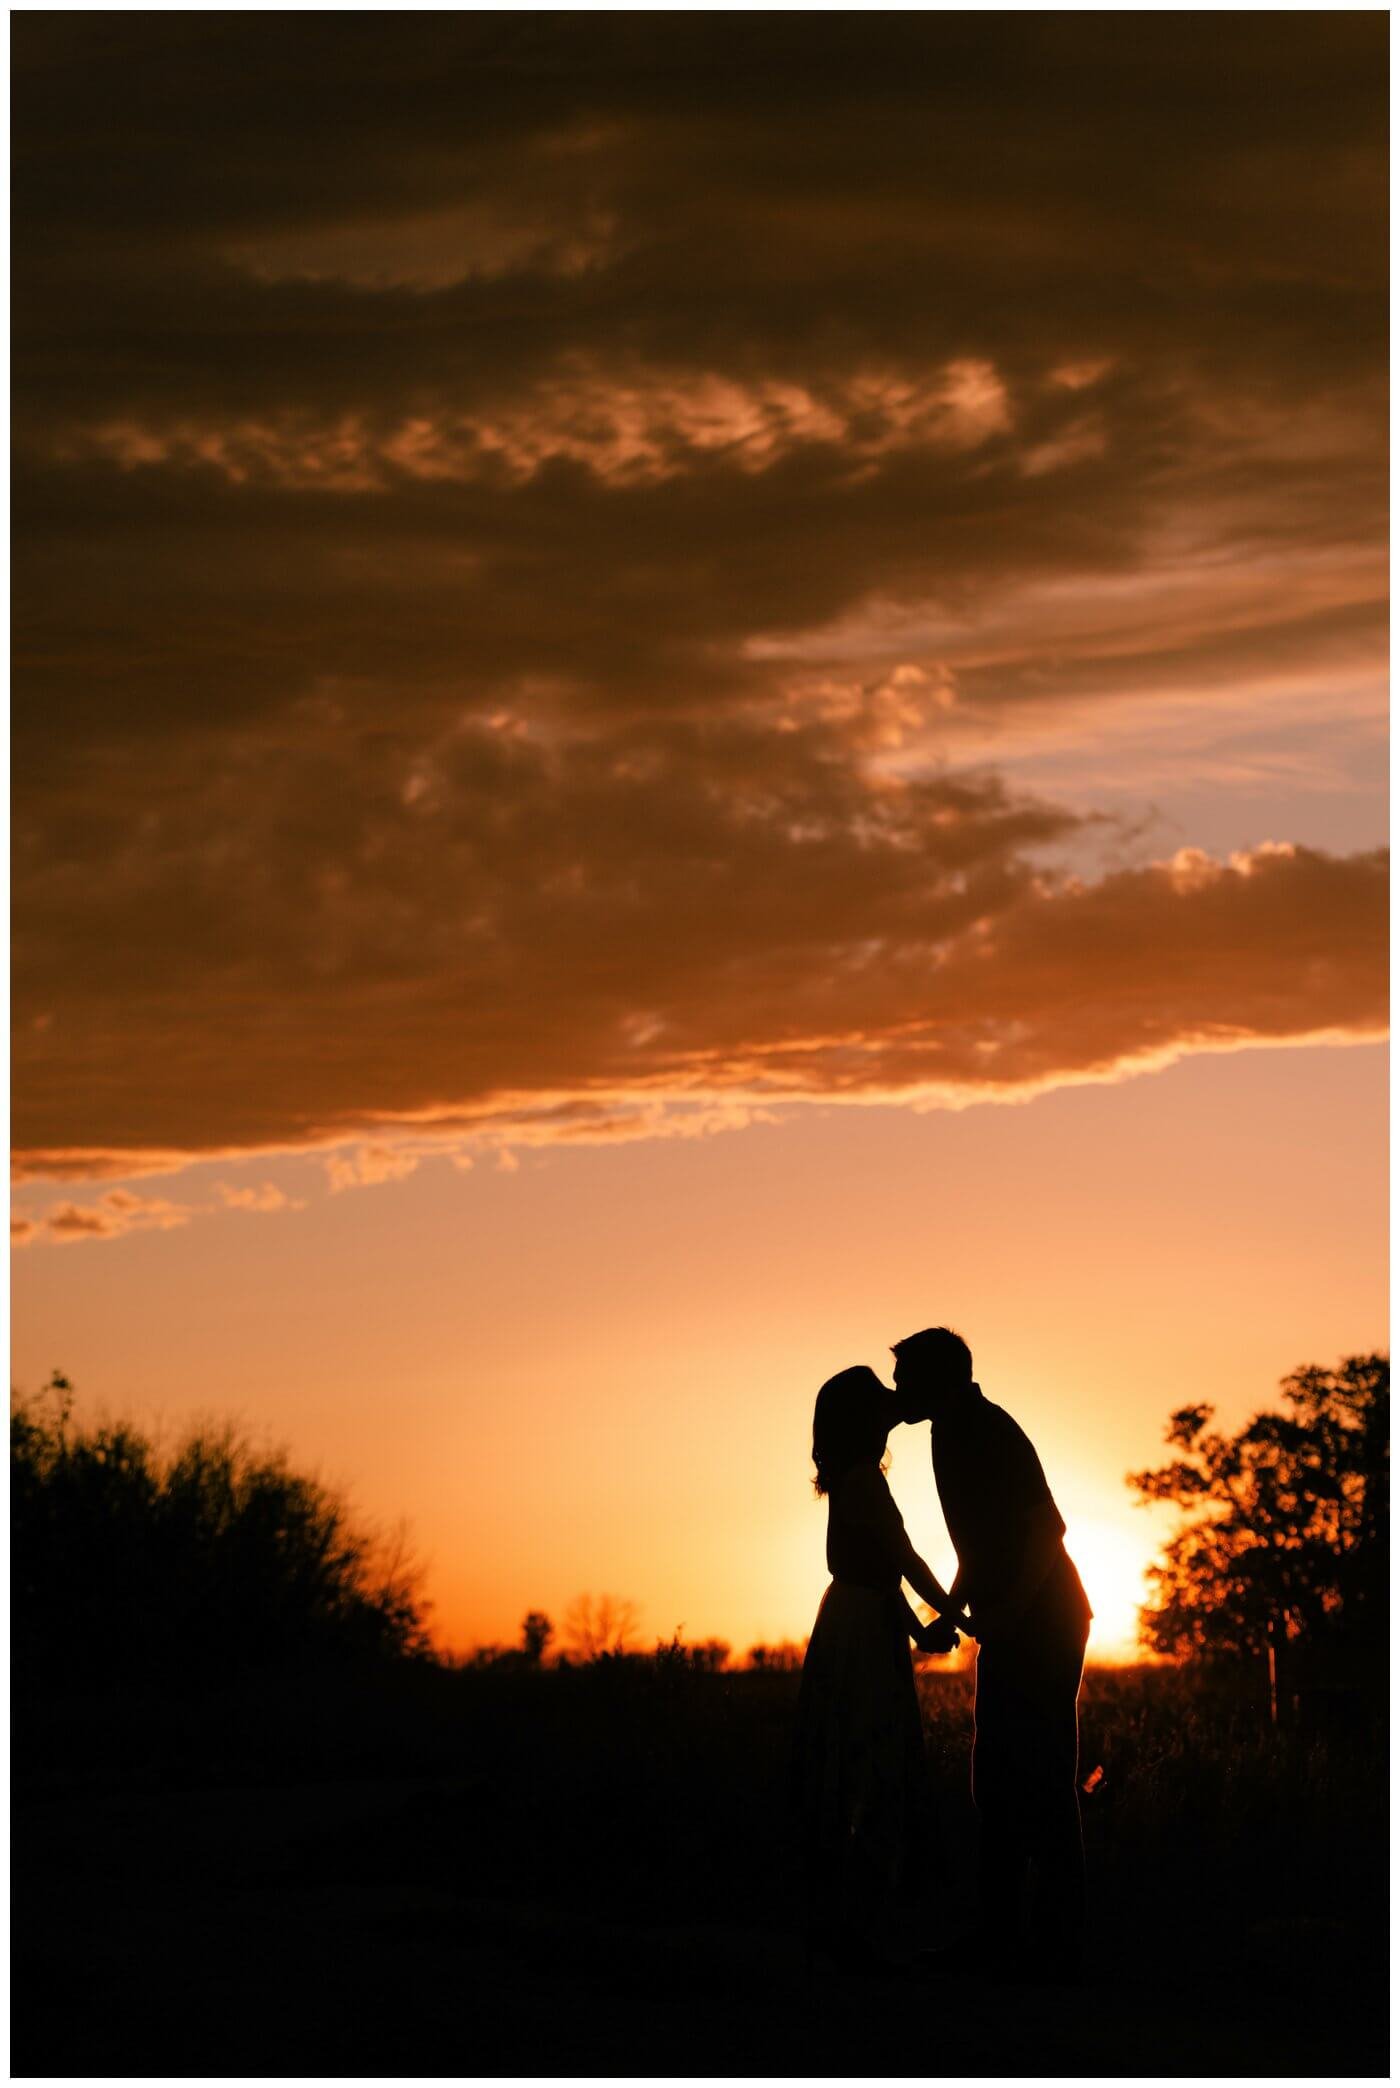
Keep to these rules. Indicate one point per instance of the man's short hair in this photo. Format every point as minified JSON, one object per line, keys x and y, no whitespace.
{"x":938,"y":1350}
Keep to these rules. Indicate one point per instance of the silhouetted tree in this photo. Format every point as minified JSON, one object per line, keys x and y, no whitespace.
{"x":214,"y":1556}
{"x":1291,"y":1539}
{"x":597,"y":1625}
{"x":535,"y":1635}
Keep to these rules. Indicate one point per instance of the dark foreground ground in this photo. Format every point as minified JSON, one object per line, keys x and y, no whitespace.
{"x":591,"y":1872}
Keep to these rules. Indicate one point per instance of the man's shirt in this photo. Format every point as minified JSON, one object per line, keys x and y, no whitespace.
{"x":991,"y":1486}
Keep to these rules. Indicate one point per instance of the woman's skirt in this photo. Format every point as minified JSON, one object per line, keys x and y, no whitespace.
{"x":862,"y":1782}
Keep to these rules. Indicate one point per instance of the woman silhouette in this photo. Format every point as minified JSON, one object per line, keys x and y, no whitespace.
{"x":862,"y":1784}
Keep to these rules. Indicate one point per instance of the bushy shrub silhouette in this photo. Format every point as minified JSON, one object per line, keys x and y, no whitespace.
{"x":128,"y":1562}
{"x":783,"y":1658}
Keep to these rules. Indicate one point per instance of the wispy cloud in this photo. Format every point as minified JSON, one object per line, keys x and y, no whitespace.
{"x":112,"y":1217}
{"x":264,"y":1198}
{"x":368,"y":1166}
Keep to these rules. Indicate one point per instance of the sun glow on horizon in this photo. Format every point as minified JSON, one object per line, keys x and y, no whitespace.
{"x":1113,"y":1566}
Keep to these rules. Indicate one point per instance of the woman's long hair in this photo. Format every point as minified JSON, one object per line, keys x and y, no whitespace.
{"x":848,"y":1425}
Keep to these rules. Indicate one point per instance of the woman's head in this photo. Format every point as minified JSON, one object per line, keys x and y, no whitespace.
{"x":850,"y":1424}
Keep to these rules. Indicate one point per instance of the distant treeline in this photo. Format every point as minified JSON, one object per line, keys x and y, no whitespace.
{"x":600,"y":1631}
{"x":603,"y":1629}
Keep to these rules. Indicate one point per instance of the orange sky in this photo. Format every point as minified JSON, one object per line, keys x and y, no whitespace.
{"x":659,"y":735}
{"x":596,"y":1371}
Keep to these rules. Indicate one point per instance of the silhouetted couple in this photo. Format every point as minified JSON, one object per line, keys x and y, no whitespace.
{"x":863,"y":1784}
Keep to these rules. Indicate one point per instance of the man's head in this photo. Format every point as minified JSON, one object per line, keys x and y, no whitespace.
{"x":930,"y":1370}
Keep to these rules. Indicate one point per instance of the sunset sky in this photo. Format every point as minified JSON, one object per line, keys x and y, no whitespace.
{"x":690,"y":692}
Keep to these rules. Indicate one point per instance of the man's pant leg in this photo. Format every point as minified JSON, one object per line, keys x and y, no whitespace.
{"x":1025,"y":1760}
{"x":1057,"y":1839}
{"x":998,"y":1793}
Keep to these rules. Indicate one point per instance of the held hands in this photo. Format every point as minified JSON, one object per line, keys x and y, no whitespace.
{"x":937,"y":1636}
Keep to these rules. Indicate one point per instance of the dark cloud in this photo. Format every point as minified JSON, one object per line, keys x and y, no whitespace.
{"x":502,"y":501}
{"x":381,"y":929}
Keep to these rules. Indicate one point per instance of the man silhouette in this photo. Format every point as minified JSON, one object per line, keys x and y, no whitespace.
{"x":1030,"y":1617}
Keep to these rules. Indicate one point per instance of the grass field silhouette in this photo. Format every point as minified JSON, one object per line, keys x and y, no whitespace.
{"x":348,"y":1856}
{"x":420,"y":1870}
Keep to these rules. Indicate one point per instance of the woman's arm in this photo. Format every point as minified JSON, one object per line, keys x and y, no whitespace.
{"x":869,"y":1501}
{"x":924,"y":1582}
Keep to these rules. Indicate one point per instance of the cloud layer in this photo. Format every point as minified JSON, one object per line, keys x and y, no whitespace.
{"x":522,"y":522}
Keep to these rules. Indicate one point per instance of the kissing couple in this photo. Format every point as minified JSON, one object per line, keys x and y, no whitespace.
{"x":862,"y":1780}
